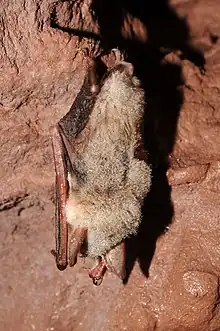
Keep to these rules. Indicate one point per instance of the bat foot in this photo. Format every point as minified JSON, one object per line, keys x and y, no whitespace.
{"x":98,"y":271}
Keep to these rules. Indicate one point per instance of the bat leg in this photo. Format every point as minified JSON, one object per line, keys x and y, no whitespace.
{"x":98,"y":271}
{"x":115,"y":261}
{"x":76,"y":239}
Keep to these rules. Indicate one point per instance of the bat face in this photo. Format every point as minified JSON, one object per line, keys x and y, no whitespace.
{"x":100,"y":180}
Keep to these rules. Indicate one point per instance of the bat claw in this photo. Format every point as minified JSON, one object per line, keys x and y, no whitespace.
{"x":53,"y":253}
{"x":97,"y":281}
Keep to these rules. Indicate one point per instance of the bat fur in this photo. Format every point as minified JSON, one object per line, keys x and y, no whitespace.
{"x":108,"y":183}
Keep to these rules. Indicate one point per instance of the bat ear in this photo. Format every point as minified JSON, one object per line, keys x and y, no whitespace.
{"x":96,"y":71}
{"x":129,"y":68}
{"x":126,"y":67}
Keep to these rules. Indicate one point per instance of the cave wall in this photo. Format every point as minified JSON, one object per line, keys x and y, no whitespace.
{"x":174,"y":280}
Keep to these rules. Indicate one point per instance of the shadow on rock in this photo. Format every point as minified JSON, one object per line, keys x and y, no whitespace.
{"x":162,"y":82}
{"x":165,"y":30}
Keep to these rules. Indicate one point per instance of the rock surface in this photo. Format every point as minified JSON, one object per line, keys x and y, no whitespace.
{"x":174,"y":269}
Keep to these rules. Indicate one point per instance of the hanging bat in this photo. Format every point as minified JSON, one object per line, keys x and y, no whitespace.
{"x":102,"y":173}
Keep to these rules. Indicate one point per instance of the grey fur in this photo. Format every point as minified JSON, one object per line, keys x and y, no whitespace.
{"x":109,"y":184}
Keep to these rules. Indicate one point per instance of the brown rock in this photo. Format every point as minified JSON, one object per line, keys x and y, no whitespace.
{"x":133,"y":28}
{"x":187,"y":175}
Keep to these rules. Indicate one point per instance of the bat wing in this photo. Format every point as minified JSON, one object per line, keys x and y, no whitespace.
{"x":64,"y":150}
{"x":68,"y":137}
{"x":61,"y":227}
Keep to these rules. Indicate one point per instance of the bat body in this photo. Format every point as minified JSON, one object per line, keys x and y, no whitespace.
{"x":104,"y":177}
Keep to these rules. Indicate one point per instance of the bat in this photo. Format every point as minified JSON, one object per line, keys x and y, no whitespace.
{"x":102,"y":172}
